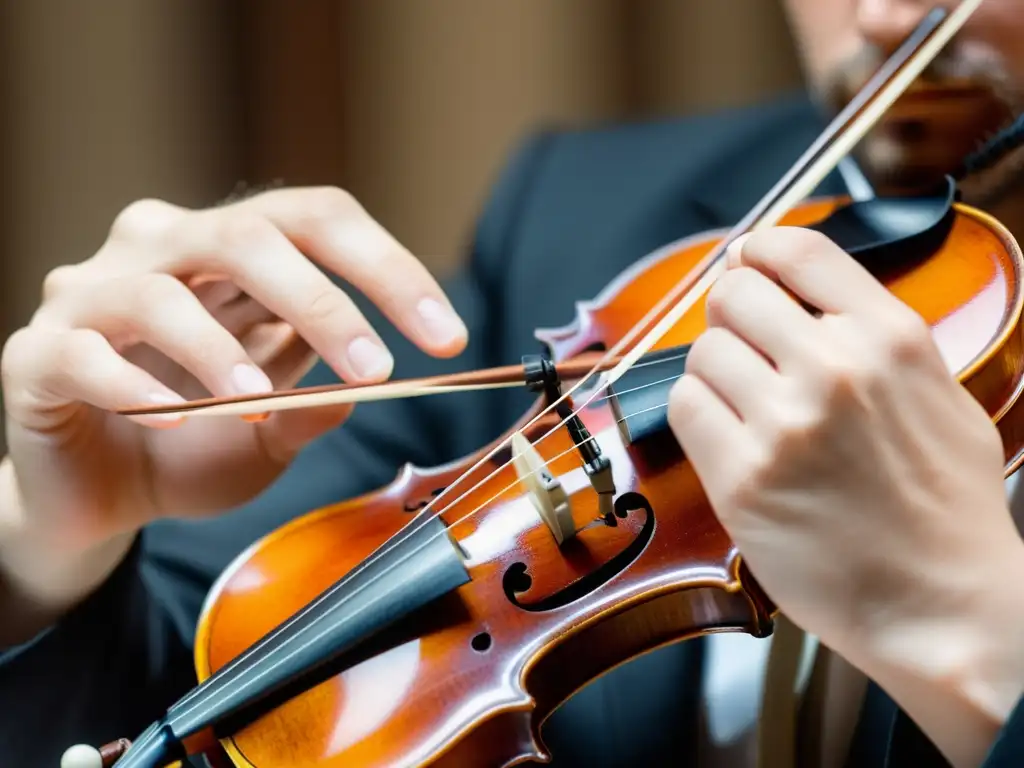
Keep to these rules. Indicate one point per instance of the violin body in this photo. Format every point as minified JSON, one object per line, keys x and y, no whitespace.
{"x":469,"y":679}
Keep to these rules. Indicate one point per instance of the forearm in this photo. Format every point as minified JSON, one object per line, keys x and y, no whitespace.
{"x":42,"y":577}
{"x":959,"y":679}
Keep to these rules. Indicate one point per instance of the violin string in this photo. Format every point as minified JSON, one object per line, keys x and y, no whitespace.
{"x":553,"y":430}
{"x":891,"y":79}
{"x":769,"y":209}
{"x":186,"y":700}
{"x":574,"y":448}
{"x":801,"y":166}
{"x":911,"y":46}
{"x":638,"y":388}
{"x":428,"y":512}
{"x":183,"y":706}
{"x":671,"y":301}
{"x":419,"y":520}
{"x":553,"y":459}
{"x":843,"y":122}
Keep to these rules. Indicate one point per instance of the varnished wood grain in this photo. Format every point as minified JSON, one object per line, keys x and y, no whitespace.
{"x":435,"y":694}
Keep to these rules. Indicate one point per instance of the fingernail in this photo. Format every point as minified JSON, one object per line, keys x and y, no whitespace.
{"x":443,"y":324}
{"x":249,"y":380}
{"x":369,"y":359}
{"x":734,"y":253}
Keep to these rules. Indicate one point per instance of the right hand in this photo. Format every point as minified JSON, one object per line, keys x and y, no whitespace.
{"x":184,"y":304}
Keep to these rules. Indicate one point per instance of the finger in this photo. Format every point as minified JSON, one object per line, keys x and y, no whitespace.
{"x":244,"y":458}
{"x":761,"y":313}
{"x":159,"y":310}
{"x":268,"y":267}
{"x":286,"y":356}
{"x":214,"y":291}
{"x":240,"y":316}
{"x":336,"y":231}
{"x":47,"y":369}
{"x":741,"y":377}
{"x":285,"y":433}
{"x":709,"y":432}
{"x":814,"y":268}
{"x":143,"y":220}
{"x":733,"y":258}
{"x":265,"y":341}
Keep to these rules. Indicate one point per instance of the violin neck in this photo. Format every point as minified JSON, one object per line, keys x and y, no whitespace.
{"x":417,"y":566}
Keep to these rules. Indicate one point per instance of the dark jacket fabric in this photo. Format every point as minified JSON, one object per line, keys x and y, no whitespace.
{"x":571,"y":210}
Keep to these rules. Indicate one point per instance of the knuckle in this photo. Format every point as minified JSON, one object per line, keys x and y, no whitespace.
{"x":84,"y":349}
{"x":328,"y":202}
{"x":320,"y":209}
{"x":841,"y":376}
{"x":141,"y":219}
{"x":784,"y":249}
{"x":804,"y":241}
{"x":799,"y":242}
{"x":793,"y":432}
{"x":796,"y":425}
{"x":34,"y":360}
{"x":847,"y":385}
{"x":727,"y":288}
{"x":327,"y":307}
{"x":17,"y":350}
{"x":703,"y":348}
{"x":58,"y":280}
{"x":908,"y":337}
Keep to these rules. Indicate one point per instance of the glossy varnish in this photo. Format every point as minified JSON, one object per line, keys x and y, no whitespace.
{"x":469,"y":680}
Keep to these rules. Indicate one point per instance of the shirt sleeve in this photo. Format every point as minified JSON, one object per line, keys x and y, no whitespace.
{"x":114,"y":663}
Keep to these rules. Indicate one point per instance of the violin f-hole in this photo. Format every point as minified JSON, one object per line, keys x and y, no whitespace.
{"x":418,"y":504}
{"x":520,"y":584}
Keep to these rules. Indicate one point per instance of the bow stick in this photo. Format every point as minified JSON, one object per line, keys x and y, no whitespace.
{"x":843,"y":133}
{"x":929,"y":41}
{"x":336,"y":394}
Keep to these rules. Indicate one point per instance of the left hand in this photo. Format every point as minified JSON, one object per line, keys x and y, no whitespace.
{"x":859,"y":479}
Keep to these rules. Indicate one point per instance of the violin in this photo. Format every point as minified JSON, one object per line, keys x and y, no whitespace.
{"x":439,"y":620}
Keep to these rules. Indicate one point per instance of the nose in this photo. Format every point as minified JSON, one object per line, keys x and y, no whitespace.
{"x":886,"y":23}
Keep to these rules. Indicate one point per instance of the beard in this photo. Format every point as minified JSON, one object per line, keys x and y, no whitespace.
{"x":961,"y":99}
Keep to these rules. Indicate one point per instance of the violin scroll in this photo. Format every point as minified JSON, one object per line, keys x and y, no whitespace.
{"x":440,"y":620}
{"x":85,"y":756}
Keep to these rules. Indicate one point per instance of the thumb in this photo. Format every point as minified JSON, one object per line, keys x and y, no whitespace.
{"x":288,"y":358}
{"x":286,"y":433}
{"x":237,"y":461}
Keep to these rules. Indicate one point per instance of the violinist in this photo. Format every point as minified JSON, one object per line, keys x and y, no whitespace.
{"x":862,"y":484}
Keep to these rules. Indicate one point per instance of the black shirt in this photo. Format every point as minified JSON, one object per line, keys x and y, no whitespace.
{"x":571,"y":211}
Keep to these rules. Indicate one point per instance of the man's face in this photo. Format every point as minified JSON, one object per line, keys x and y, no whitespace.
{"x":973,"y":87}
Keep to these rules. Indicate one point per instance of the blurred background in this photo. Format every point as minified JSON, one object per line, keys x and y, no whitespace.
{"x":411,"y":105}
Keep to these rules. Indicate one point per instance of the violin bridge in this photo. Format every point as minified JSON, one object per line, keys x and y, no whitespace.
{"x":542,"y":376}
{"x":545,"y":491}
{"x":600,"y":473}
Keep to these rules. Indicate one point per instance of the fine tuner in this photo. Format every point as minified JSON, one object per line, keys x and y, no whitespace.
{"x":481,"y":593}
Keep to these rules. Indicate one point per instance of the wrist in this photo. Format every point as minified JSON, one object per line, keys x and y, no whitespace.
{"x":954,"y":661}
{"x":42,"y":574}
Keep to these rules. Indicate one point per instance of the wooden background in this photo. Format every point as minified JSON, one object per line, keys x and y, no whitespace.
{"x":412,"y":105}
